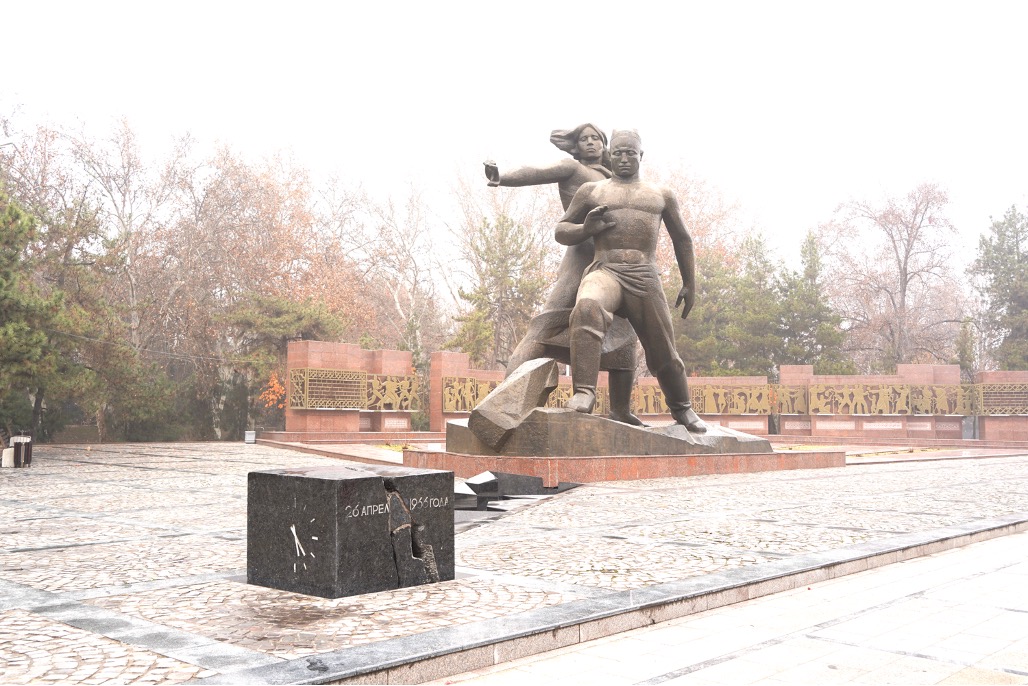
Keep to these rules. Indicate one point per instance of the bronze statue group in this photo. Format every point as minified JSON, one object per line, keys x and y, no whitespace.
{"x":608,"y":292}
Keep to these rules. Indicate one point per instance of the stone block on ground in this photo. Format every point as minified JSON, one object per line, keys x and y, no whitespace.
{"x":520,"y":485}
{"x":489,"y":488}
{"x":346,"y":530}
{"x":463,"y":497}
{"x":549,"y":432}
{"x":503,"y":410}
{"x":485,"y":483}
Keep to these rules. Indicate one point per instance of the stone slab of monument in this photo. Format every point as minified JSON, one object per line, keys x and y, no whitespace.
{"x":524,"y":485}
{"x":503,"y":410}
{"x":345,"y":530}
{"x":466,"y":499}
{"x":549,"y":432}
{"x":485,"y":483}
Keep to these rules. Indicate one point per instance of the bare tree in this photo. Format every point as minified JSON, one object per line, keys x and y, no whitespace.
{"x":536,"y":208}
{"x":506,"y":260}
{"x":131,"y":197}
{"x":893,"y":279}
{"x":77,"y":253}
{"x":710,"y":217}
{"x":193,"y":271}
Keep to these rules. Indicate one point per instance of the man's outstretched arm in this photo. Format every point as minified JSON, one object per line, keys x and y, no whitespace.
{"x":682,"y":242}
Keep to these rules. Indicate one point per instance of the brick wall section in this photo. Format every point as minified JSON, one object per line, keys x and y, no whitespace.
{"x":326,"y":355}
{"x":885,"y":427}
{"x":1002,"y":377}
{"x":1000,"y":428}
{"x":917,"y":374}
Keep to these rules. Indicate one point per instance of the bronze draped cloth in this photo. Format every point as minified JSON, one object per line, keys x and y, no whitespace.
{"x":643,"y":303}
{"x":640,"y":280}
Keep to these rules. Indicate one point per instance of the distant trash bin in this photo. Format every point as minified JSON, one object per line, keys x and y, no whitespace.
{"x":22,"y":450}
{"x":249,"y":436}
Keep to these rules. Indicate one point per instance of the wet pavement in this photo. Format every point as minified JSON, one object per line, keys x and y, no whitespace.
{"x":126,"y":563}
{"x":956,"y":617}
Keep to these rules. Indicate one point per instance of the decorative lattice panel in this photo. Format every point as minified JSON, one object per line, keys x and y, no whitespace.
{"x":1003,"y":398}
{"x":327,"y":389}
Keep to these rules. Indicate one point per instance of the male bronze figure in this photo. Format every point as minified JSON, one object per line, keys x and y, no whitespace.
{"x":622,"y":216}
{"x":547,"y":334}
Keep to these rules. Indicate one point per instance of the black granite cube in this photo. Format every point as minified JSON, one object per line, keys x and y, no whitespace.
{"x":345,"y":530}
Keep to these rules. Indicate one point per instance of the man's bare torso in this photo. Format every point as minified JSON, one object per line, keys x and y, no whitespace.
{"x":637,"y":209}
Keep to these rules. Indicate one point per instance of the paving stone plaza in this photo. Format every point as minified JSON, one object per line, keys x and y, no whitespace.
{"x":126,"y":564}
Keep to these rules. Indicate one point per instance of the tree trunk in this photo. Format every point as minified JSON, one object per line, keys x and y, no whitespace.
{"x":37,"y":413}
{"x":101,"y":424}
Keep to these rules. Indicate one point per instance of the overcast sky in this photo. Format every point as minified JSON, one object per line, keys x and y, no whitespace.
{"x":788,"y":108}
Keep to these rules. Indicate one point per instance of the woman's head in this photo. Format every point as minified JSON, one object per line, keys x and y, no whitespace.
{"x":586,"y":143}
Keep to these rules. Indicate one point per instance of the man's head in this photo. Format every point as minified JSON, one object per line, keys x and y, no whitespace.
{"x":625,"y":153}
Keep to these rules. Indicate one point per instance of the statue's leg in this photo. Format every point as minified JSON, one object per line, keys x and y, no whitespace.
{"x":621,"y":383}
{"x":651,"y":319}
{"x":598,"y":297}
{"x":676,"y":394}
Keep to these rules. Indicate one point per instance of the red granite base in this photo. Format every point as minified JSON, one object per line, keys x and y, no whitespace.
{"x":555,"y":470}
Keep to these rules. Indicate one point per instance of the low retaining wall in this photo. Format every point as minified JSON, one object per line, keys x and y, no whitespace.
{"x":336,"y":387}
{"x":996,"y":428}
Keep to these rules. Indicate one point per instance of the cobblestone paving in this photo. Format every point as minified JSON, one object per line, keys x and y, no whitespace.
{"x":34,"y":649}
{"x":39,"y":532}
{"x":126,"y":500}
{"x":110,"y":564}
{"x":155,"y":534}
{"x":602,"y":562}
{"x":289,"y":625}
{"x":228,"y":515}
{"x":617,"y":536}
